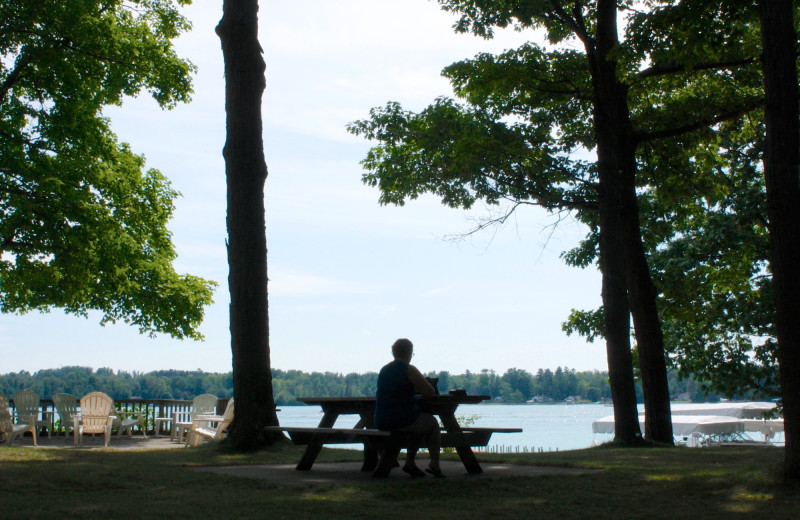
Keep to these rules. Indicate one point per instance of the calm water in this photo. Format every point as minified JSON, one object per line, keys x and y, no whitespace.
{"x":545,"y":426}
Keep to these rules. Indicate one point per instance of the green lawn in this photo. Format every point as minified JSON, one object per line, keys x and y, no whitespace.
{"x":647,"y":483}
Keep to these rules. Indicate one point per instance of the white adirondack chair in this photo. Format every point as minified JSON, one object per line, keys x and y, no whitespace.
{"x":10,"y":431}
{"x":203,"y":404}
{"x":202,"y":429}
{"x":67,"y":407}
{"x":26,"y":406}
{"x":96,"y":417}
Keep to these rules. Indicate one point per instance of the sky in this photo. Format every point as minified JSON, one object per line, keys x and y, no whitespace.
{"x":347,"y":275}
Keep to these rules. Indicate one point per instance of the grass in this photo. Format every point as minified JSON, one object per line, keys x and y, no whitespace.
{"x":652,"y":483}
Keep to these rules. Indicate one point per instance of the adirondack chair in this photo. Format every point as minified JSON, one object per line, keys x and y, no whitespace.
{"x":10,"y":431}
{"x":26,"y":405}
{"x":203,"y":404}
{"x":67,"y":407}
{"x":95,"y":417}
{"x":202,"y":429}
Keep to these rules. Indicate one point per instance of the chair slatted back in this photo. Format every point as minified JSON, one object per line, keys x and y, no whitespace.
{"x":227,"y":418}
{"x":67,"y":406}
{"x":203,"y":404}
{"x":26,"y":405}
{"x":96,"y":407}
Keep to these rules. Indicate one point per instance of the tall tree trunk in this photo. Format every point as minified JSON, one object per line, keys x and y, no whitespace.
{"x":623,"y":259}
{"x":781,"y":171}
{"x":607,"y":122}
{"x":642,"y":300}
{"x":246,"y":172}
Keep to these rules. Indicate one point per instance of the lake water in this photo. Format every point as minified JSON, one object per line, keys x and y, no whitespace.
{"x":547,"y":427}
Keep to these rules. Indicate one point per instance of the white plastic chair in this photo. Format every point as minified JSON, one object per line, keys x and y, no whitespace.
{"x":203,"y":404}
{"x":67,"y":407}
{"x":10,"y":431}
{"x":202,"y":429}
{"x":26,"y":406}
{"x":96,"y":417}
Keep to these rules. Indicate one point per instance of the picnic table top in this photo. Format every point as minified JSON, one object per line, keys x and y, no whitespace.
{"x":457,"y":398}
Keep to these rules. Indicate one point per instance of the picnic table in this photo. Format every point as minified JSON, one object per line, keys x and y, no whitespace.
{"x":377,"y":441}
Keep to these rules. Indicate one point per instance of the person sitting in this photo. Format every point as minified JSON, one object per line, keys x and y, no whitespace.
{"x":397,"y":410}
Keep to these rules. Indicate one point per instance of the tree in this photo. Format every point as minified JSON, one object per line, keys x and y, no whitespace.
{"x":519,"y":380}
{"x":528,"y":110}
{"x":246,"y":172}
{"x":500,"y":147}
{"x":82,"y":225}
{"x":704,"y":211}
{"x":782,"y":176}
{"x":710,"y":257}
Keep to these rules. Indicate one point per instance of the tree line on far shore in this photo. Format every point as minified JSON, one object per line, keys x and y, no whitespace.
{"x":514,"y":386}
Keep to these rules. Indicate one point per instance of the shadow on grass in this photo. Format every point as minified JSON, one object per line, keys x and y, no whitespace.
{"x":652,"y":483}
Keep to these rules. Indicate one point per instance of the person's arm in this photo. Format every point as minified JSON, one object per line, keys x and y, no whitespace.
{"x":420,"y":383}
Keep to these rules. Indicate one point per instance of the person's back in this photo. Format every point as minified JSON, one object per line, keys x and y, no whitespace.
{"x":396,"y":409}
{"x":395,"y":406}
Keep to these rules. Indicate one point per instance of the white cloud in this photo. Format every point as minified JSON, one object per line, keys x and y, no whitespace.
{"x":437,"y":291}
{"x":286,"y":282}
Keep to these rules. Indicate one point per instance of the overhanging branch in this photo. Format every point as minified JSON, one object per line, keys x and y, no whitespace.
{"x":642,"y":137}
{"x":663,"y":70}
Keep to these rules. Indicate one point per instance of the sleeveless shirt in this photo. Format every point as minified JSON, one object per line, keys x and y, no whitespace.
{"x":395,"y":406}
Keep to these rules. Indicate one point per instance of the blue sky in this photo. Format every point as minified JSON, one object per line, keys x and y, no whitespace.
{"x":347,"y":276}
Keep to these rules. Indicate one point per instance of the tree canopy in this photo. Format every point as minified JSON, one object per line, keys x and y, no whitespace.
{"x":658,"y":105}
{"x":83,"y":224}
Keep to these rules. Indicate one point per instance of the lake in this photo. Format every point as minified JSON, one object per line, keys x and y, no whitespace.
{"x":547,"y":427}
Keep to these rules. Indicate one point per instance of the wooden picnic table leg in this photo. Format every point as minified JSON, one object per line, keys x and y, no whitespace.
{"x":465,"y":451}
{"x":315,"y":444}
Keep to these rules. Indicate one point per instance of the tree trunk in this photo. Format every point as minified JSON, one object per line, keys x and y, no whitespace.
{"x":616,"y":151}
{"x":246,"y":172}
{"x":781,"y":167}
{"x":642,"y":296}
{"x":612,"y":261}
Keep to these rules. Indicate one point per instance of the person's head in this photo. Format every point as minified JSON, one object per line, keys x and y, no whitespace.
{"x":403,"y":349}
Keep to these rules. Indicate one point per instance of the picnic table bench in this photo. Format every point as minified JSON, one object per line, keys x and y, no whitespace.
{"x":382,"y":447}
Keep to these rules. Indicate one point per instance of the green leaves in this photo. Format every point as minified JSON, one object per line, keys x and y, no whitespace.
{"x":82,"y":224}
{"x":691,"y":74}
{"x":461,"y":154}
{"x":526,"y":111}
